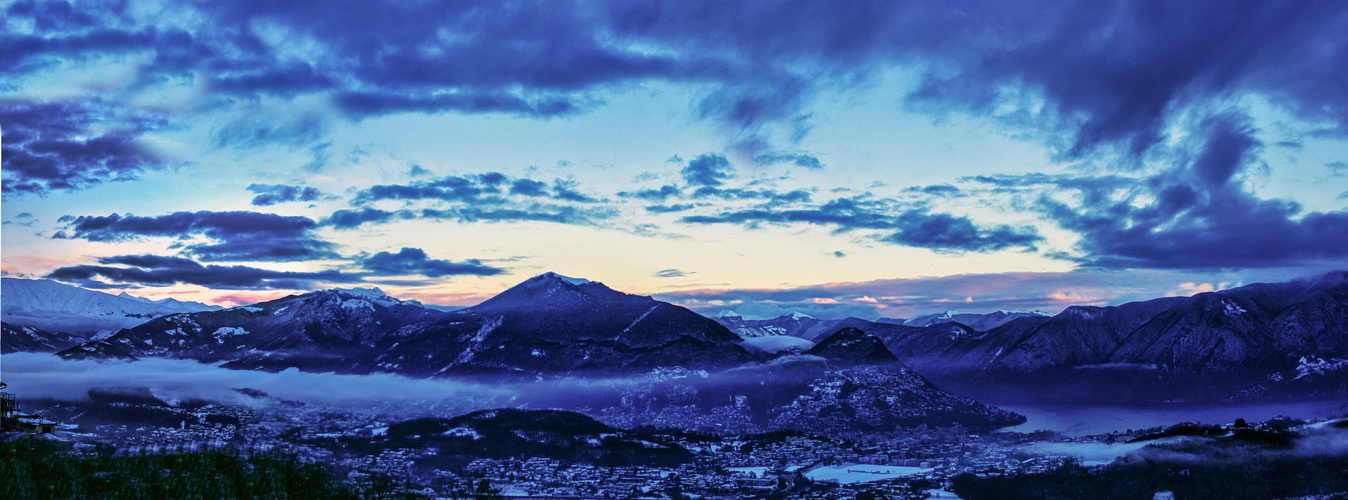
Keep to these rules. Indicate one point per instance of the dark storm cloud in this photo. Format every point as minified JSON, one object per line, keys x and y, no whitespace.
{"x":1191,"y":217}
{"x":364,"y":104}
{"x":1096,"y":82}
{"x":415,"y":261}
{"x":1185,"y":228}
{"x":1095,"y":73}
{"x":152,"y":270}
{"x":271,"y":194}
{"x":288,"y":78}
{"x":916,"y":227}
{"x":66,"y":146}
{"x":244,"y":236}
{"x":1115,"y":73}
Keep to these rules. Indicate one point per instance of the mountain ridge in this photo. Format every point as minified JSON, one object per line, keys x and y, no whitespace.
{"x":50,"y":305}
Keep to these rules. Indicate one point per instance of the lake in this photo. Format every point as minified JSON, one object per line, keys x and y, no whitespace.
{"x":1080,"y":420}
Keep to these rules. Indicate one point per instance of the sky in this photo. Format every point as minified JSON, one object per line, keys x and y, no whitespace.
{"x":862,"y":159}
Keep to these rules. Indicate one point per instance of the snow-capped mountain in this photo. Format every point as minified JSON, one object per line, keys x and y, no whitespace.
{"x":22,"y":338}
{"x":1209,"y":345}
{"x":795,"y":325}
{"x":551,"y":325}
{"x":49,"y":305}
{"x":172,"y":304}
{"x":547,"y":324}
{"x":554,"y":324}
{"x":315,"y":331}
{"x":1256,"y":327}
{"x":978,"y":321}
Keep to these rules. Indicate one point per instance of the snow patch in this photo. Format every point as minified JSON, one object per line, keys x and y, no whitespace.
{"x":229,"y":330}
{"x":568,"y":279}
{"x":777,"y":343}
{"x":356,"y":304}
{"x":1309,"y":366}
{"x":463,"y":432}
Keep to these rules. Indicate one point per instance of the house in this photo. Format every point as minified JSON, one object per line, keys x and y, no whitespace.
{"x":13,"y":421}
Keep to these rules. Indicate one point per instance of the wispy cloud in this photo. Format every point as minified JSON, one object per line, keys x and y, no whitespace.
{"x":1194,"y":216}
{"x":271,"y":194}
{"x":154,"y":270}
{"x":671,"y":273}
{"x":237,"y":236}
{"x":414,"y":261}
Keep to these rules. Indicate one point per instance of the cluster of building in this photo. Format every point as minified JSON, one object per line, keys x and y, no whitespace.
{"x":899,"y":464}
{"x":12,"y":420}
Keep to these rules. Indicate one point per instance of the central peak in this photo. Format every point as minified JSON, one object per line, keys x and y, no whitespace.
{"x":568,"y":279}
{"x":552,"y":290}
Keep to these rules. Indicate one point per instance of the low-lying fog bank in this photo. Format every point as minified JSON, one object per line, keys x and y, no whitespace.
{"x":44,"y":376}
{"x":794,"y":392}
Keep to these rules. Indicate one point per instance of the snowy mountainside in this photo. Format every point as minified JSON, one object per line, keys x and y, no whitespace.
{"x":554,"y":324}
{"x":50,"y":305}
{"x":547,"y":324}
{"x":795,"y":325}
{"x":23,"y":338}
{"x":551,"y":326}
{"x":172,"y":304}
{"x":977,"y":321}
{"x":321,"y":330}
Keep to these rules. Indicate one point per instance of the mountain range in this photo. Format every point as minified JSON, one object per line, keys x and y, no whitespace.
{"x":656,"y":363}
{"x":977,"y":321}
{"x":1252,"y":338}
{"x":548,"y":324}
{"x":53,"y":306}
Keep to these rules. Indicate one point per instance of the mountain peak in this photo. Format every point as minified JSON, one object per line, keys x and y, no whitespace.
{"x":554,"y":290}
{"x":854,"y":345}
{"x":574,"y":281}
{"x":371,"y":294}
{"x":55,"y":306}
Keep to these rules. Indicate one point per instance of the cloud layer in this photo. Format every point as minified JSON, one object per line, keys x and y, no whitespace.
{"x":236,"y":236}
{"x":1159,"y":117}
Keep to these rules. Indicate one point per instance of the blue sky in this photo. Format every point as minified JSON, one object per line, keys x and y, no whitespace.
{"x":883,"y":158}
